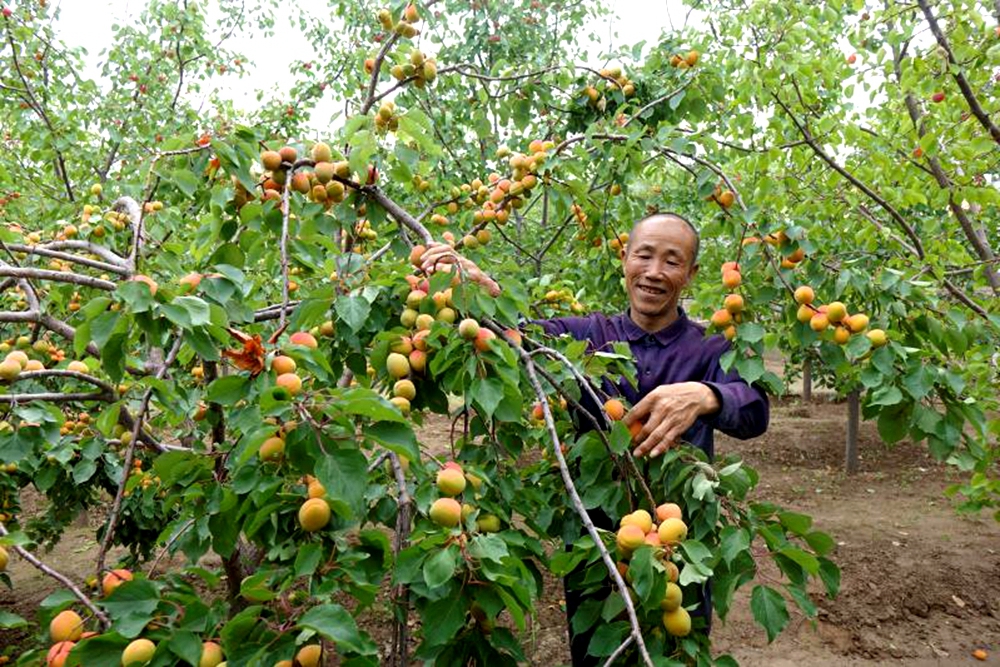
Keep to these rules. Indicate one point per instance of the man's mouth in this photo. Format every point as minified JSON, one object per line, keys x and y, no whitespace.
{"x":653,"y":291}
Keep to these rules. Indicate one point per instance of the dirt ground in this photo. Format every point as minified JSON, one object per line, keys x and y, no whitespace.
{"x":920,"y":584}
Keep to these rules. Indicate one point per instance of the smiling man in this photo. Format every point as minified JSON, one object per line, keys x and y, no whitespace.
{"x":683,"y":393}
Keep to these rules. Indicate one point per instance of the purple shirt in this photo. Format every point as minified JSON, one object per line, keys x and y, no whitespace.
{"x":677,"y":353}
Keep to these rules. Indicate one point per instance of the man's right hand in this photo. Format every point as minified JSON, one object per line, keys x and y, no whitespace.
{"x":439,"y":255}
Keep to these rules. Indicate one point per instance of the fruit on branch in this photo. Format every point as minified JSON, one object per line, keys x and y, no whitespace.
{"x":141,"y":278}
{"x":672,"y":598}
{"x":450,"y":481}
{"x":677,"y":622}
{"x":304,"y":338}
{"x":804,"y":295}
{"x":721,"y":318}
{"x":271,"y":160}
{"x":639,"y":518}
{"x":96,"y":189}
{"x":634,"y":429}
{"x":468,"y":329}
{"x":309,"y":655}
{"x":282,"y":364}
{"x":673,"y":531}
{"x":211,"y":655}
{"x":404,"y":389}
{"x":78,"y":367}
{"x":841,"y":335}
{"x":483,"y":338}
{"x":836,"y":311}
{"x":726,"y":198}
{"x":9,"y":369}
{"x":614,"y":409}
{"x":272,"y":449}
{"x":851,"y":59}
{"x":139,"y":652}
{"x":411,"y":14}
{"x":488,"y":523}
{"x":314,"y":514}
{"x":731,"y":278}
{"x":630,"y":538}
{"x":190,"y":282}
{"x":301,"y":184}
{"x":819,"y":322}
{"x":668,"y":511}
{"x":58,"y":654}
{"x":692,"y":58}
{"x":66,"y":626}
{"x":937,"y":97}
{"x":385,"y":18}
{"x":856,"y":323}
{"x":288,"y":154}
{"x":290,"y":382}
{"x":877,"y":337}
{"x":446,"y":512}
{"x":114,"y":579}
{"x":804,"y":313}
{"x":397,"y":365}
{"x":321,"y":152}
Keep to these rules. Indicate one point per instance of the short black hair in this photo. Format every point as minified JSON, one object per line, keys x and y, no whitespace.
{"x":678,"y":216}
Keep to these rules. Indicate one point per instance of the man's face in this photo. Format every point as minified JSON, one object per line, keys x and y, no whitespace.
{"x":658,"y":266}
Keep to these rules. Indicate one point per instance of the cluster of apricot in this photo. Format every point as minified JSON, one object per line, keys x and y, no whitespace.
{"x":563,"y":298}
{"x":320,"y":184}
{"x":284,"y":367}
{"x":75,"y":426}
{"x":834,"y":315}
{"x":637,"y":530}
{"x":386,"y":119}
{"x":685,"y":60}
{"x":404,"y":26}
{"x":779,"y":240}
{"x":731,"y":314}
{"x":613,"y":79}
{"x":723,"y":198}
{"x":447,"y":512}
{"x":422,"y":69}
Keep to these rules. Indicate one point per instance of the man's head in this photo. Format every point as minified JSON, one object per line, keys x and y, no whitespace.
{"x":661,"y":258}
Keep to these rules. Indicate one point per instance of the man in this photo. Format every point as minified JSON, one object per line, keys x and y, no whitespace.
{"x":683,"y":393}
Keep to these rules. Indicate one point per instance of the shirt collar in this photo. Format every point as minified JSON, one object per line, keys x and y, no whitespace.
{"x":633,"y":332}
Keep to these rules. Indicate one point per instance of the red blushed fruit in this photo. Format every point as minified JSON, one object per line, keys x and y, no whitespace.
{"x":483,"y":339}
{"x":937,"y":97}
{"x":372,"y":175}
{"x":304,"y":338}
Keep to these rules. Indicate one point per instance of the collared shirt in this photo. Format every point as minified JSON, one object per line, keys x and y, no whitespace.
{"x":679,"y":352}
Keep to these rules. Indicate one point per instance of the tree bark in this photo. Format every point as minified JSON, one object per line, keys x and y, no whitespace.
{"x":853,"y":418}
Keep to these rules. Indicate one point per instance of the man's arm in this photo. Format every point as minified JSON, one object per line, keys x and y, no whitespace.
{"x":743,"y":412}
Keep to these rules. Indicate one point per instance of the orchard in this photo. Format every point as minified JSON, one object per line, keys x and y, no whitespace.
{"x":216,"y":333}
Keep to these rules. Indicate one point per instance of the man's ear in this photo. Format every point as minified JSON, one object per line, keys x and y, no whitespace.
{"x":693,"y":272}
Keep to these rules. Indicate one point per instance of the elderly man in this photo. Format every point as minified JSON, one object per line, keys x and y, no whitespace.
{"x":683,"y":393}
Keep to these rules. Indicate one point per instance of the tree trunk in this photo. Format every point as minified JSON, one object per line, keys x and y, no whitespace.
{"x":853,"y":416}
{"x":807,"y":380}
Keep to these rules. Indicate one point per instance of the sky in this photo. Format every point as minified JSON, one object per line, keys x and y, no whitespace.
{"x":87,"y":23}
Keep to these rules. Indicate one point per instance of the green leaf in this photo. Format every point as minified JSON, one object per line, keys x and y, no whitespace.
{"x":353,"y":310}
{"x":732,"y":542}
{"x":334,"y":622}
{"x":132,"y":605}
{"x":11,"y":621}
{"x":806,"y":560}
{"x":344,"y":475}
{"x":488,"y":547}
{"x":443,"y":619}
{"x":186,"y":645}
{"x":394,"y":436}
{"x":799,"y":524}
{"x":830,"y":574}
{"x":439,"y":568}
{"x":228,"y":390}
{"x":487,"y":392}
{"x":769,"y":610}
{"x":185,"y":181}
{"x":819,"y":542}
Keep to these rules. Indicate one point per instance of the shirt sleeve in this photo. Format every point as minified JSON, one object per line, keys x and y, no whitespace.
{"x":744,"y":410}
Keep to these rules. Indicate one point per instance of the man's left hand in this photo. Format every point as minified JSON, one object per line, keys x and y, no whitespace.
{"x":668,"y":411}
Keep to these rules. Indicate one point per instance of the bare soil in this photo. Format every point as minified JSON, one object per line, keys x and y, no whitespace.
{"x":920,"y":583}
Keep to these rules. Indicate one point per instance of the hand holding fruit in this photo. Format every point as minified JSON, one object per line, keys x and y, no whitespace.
{"x":668,"y":411}
{"x":442,"y":254}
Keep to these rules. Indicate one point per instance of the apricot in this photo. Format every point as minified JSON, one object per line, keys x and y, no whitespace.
{"x":282,"y":364}
{"x":288,"y":154}
{"x":877,"y":337}
{"x":446,"y":512}
{"x":468,"y":329}
{"x":408,"y":318}
{"x":290,"y":381}
{"x":10,"y":369}
{"x":58,"y":653}
{"x":447,"y":315}
{"x":309,"y":655}
{"x":314,"y":515}
{"x":315,"y":489}
{"x":273,"y":449}
{"x":418,"y":361}
{"x":726,"y":198}
{"x":730,"y":266}
{"x":857,"y":322}
{"x":630,"y":537}
{"x":321,"y":152}
{"x":300,"y":183}
{"x":141,"y":278}
{"x":211,"y":655}
{"x":191,"y":281}
{"x":819,"y":322}
{"x":397,"y":365}
{"x":721,"y":318}
{"x":404,"y":388}
{"x":640,"y":518}
{"x":20,"y":357}
{"x":515,"y":336}
{"x":615,"y":409}
{"x":450,"y":482}
{"x":420,"y":340}
{"x":692,"y":58}
{"x":673,"y":597}
{"x":402,"y":403}
{"x":673,"y":531}
{"x":424,"y":321}
{"x":653,"y":539}
{"x":414,"y":298}
{"x":303,"y":338}
{"x":634,"y":429}
{"x":841,"y":335}
{"x":673,"y":573}
{"x":668,"y":511}
{"x":733,"y":303}
{"x":804,"y":295}
{"x":488,"y":523}
{"x":677,"y":622}
{"x":483,"y":338}
{"x":836,"y":311}
{"x":114,"y":579}
{"x":796,"y":256}
{"x":731,"y":278}
{"x":402,"y":345}
{"x":416,"y":253}
{"x":66,"y":626}
{"x":271,"y":160}
{"x":804,"y":313}
{"x":139,"y":652}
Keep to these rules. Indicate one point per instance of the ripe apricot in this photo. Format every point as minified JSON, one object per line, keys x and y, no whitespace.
{"x":314,"y":514}
{"x":288,"y":154}
{"x":211,"y":655}
{"x":841,"y":335}
{"x":819,"y":322}
{"x":140,"y":278}
{"x":514,"y":335}
{"x":726,"y":198}
{"x":446,"y":512}
{"x":58,"y":653}
{"x":630,"y":538}
{"x":309,"y":655}
{"x":424,"y":321}
{"x":640,"y":518}
{"x":290,"y":381}
{"x":468,"y":329}
{"x":273,"y":449}
{"x":303,"y":338}
{"x":634,"y":429}
{"x":672,"y":598}
{"x":300,"y":183}
{"x":836,"y":311}
{"x":721,"y":318}
{"x":483,"y":338}
{"x":271,"y":160}
{"x":804,"y":295}
{"x":139,"y":652}
{"x":857,"y":322}
{"x":691,"y":58}
{"x":404,"y":388}
{"x":804,"y":313}
{"x":321,"y":152}
{"x":114,"y":579}
{"x":9,"y":369}
{"x":450,"y":482}
{"x":673,"y":531}
{"x":315,"y":489}
{"x":980,"y":654}
{"x":615,"y":409}
{"x":673,"y":572}
{"x":191,"y":281}
{"x":668,"y":511}
{"x":731,"y":278}
{"x":397,"y":365}
{"x":677,"y":622}
{"x":733,"y":303}
{"x":653,"y":539}
{"x":418,"y":361}
{"x":877,"y":337}
{"x":66,"y":626}
{"x":282,"y":364}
